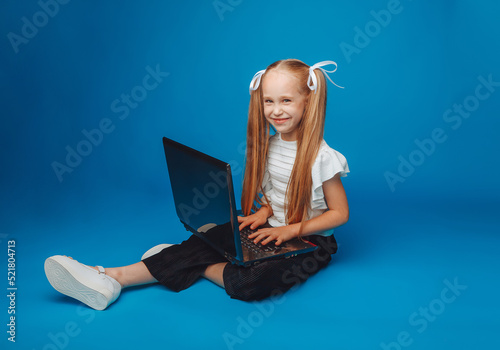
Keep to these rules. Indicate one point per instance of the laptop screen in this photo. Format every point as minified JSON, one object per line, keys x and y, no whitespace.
{"x":203,"y":195}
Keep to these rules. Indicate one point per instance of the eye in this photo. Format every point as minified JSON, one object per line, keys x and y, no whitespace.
{"x":268,"y":101}
{"x":287,"y":100}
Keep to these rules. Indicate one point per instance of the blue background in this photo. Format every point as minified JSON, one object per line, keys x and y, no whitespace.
{"x":402,"y":243}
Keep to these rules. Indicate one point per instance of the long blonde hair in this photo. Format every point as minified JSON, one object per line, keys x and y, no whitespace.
{"x":309,"y":138}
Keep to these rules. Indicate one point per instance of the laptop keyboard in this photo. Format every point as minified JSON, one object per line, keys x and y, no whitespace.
{"x":255,"y":247}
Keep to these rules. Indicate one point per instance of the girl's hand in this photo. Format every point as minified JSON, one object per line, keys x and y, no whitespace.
{"x":253,"y":220}
{"x":279,"y":234}
{"x":256,"y":219}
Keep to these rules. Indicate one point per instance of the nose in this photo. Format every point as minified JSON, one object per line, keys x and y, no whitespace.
{"x":277,"y":110}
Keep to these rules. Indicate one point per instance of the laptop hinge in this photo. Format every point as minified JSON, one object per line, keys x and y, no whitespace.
{"x":230,"y":258}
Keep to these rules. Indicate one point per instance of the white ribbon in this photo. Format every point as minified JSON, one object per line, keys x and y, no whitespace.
{"x":254,"y":84}
{"x":312,"y":76}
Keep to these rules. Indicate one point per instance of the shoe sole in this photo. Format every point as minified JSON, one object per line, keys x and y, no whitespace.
{"x":155,"y":250}
{"x":64,"y":282}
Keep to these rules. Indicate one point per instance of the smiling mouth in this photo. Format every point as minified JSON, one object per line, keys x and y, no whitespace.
{"x":281,"y":120}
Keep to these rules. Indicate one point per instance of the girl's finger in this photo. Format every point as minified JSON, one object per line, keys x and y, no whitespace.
{"x":257,"y":239}
{"x":262,"y":237}
{"x":245,"y":223}
{"x":267,"y":240}
{"x":258,"y":232}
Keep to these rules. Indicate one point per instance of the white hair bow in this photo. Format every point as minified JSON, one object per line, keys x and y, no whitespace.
{"x":312,"y":77}
{"x":254,"y":84}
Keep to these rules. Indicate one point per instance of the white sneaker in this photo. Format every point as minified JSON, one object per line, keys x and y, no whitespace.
{"x":155,"y":250}
{"x":91,"y":287}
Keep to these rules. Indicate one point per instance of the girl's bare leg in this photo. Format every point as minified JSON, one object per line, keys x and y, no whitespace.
{"x":131,"y":275}
{"x":138,"y":274}
{"x":215,"y":272}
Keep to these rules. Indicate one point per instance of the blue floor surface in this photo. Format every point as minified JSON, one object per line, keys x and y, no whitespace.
{"x":408,"y":275}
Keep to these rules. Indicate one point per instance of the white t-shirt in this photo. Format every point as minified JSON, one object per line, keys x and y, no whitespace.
{"x":279,"y":166}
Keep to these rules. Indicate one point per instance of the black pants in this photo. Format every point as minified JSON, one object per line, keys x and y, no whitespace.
{"x":179,"y":266}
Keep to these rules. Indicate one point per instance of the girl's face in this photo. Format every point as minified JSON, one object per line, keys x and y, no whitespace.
{"x":284,"y":105}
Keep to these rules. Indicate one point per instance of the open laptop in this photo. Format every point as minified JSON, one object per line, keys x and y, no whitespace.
{"x":203,"y":193}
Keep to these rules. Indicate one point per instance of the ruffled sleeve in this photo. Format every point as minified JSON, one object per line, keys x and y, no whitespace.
{"x":328,"y":163}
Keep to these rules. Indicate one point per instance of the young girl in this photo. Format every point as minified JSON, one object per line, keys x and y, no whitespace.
{"x":292,"y":181}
